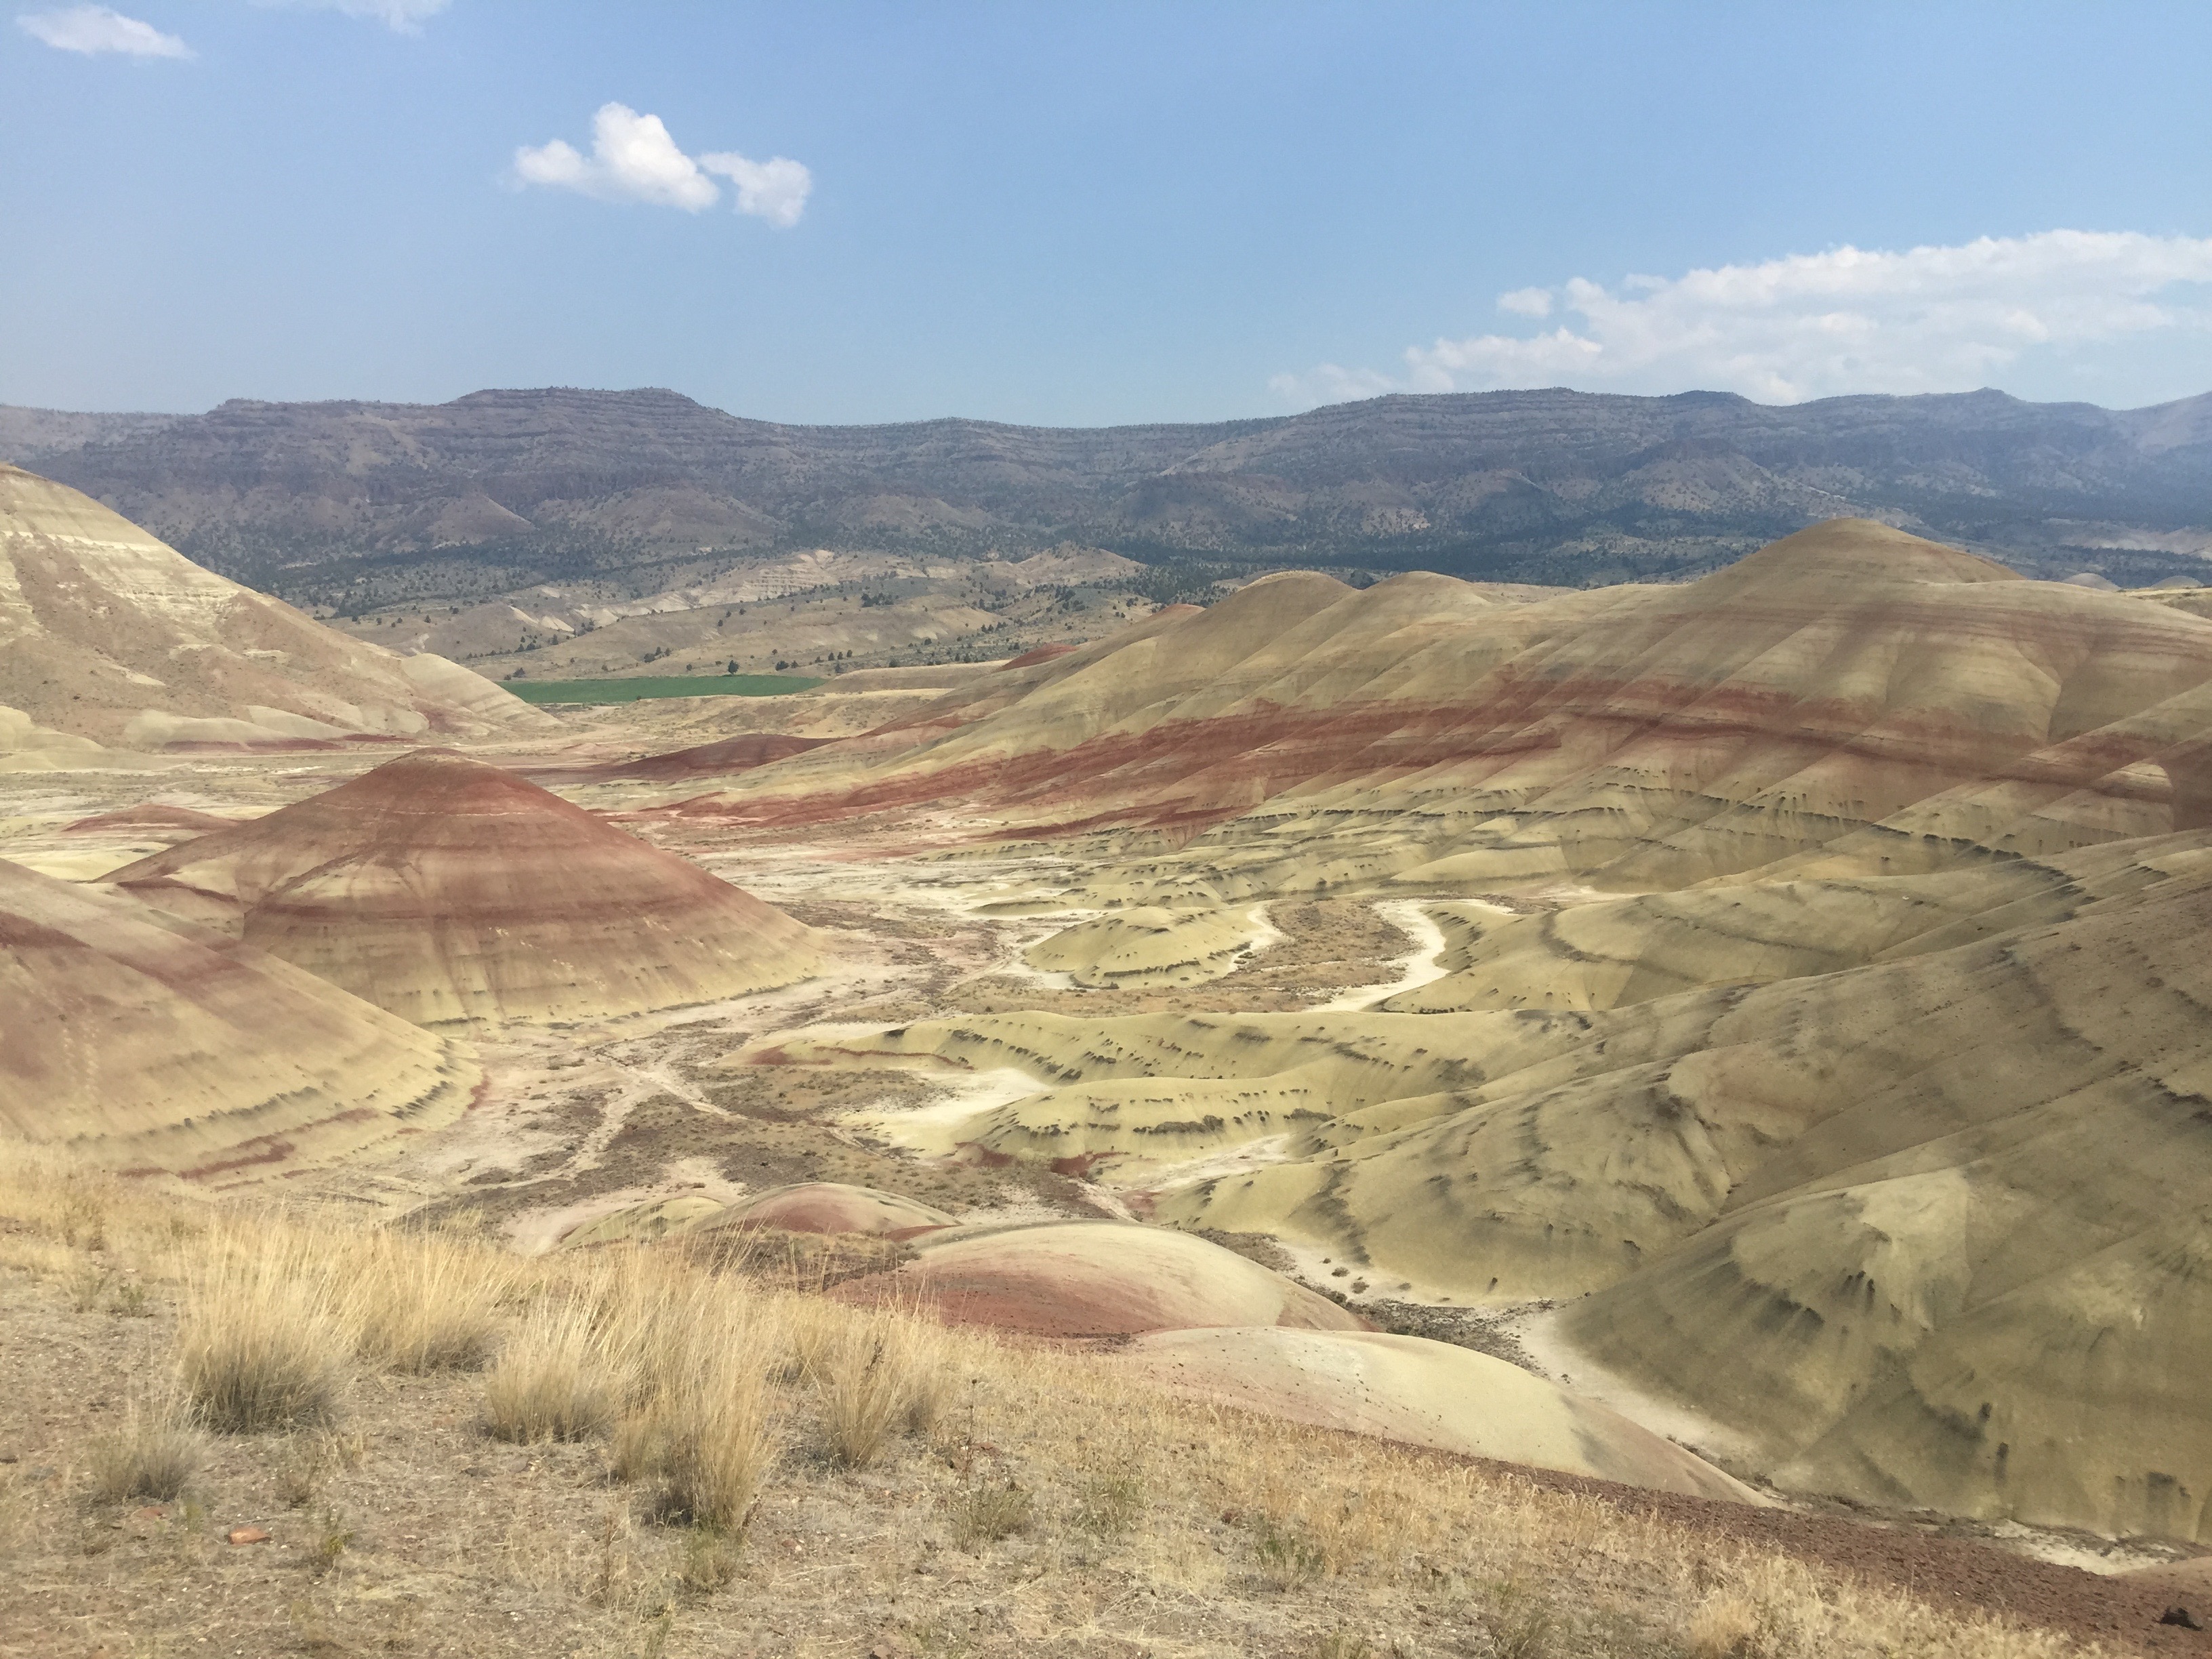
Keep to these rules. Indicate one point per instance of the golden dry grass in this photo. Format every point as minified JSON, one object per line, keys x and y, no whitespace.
{"x":152,"y":1453}
{"x":264,"y":1337}
{"x":551,"y":1380}
{"x":875,"y":1371}
{"x":423,"y":1303}
{"x":1050,"y":1485}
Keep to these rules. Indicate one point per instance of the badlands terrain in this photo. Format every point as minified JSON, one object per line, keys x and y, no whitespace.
{"x":1659,"y":1119}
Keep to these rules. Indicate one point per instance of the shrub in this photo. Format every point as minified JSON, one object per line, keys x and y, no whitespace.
{"x":1110,"y":1505}
{"x":1724,"y":1626}
{"x":1289,"y":1558}
{"x":990,"y":1512}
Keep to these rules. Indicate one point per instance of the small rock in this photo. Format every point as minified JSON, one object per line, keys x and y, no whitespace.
{"x":2180,"y":1616}
{"x":7,"y":1457}
{"x":246,"y":1536}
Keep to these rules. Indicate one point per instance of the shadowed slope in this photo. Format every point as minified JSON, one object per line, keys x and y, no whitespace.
{"x":444,"y":889}
{"x":141,"y":1043}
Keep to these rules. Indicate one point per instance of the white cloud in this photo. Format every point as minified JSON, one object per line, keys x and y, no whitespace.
{"x":1811,"y":326}
{"x":90,"y":29}
{"x":775,"y":190}
{"x":633,"y":159}
{"x":402,"y":16}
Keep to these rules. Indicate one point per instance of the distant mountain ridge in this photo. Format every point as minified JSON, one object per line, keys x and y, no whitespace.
{"x":1552,"y":486}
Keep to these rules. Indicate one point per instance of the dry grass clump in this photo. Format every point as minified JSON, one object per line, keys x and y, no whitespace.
{"x":75,"y":1225}
{"x":312,"y":1458}
{"x":875,"y":1371}
{"x":673,"y":1362}
{"x":1771,"y":1607}
{"x":264,"y":1342}
{"x":552,"y":1380}
{"x":423,"y":1303}
{"x":697,"y":1352}
{"x":720,"y":1447}
{"x":152,"y":1453}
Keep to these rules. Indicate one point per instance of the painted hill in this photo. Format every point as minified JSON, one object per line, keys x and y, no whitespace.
{"x":444,"y":889}
{"x":140,"y":1042}
{"x":106,"y":634}
{"x":1849,"y":689}
{"x":1839,"y":1056}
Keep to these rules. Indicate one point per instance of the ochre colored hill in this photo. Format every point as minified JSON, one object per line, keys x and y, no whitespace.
{"x":1930,"y":1231}
{"x":108,"y":633}
{"x":139,"y":1042}
{"x":1426,"y":1394}
{"x":1850,"y":692}
{"x":1148,"y":947}
{"x":444,"y":889}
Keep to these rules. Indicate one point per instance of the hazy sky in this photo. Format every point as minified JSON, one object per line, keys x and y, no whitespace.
{"x":1080,"y":214}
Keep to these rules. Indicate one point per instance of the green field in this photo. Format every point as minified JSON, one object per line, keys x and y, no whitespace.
{"x":683,"y":685}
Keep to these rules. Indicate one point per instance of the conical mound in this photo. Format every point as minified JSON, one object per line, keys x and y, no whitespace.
{"x":143,"y":1043}
{"x":443,"y":889}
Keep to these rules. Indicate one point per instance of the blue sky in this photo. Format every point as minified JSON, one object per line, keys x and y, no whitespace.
{"x":1069,"y":214}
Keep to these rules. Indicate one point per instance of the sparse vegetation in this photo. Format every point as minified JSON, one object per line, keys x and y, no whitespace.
{"x":688,"y":1381}
{"x":990,"y":1512}
{"x":724,"y":685}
